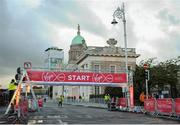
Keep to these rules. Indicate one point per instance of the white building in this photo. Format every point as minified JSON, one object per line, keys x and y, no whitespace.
{"x":54,"y":60}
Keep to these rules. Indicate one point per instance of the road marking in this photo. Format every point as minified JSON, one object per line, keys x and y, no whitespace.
{"x":60,"y":121}
{"x":54,"y":116}
{"x":88,"y":116}
{"x":31,"y":122}
{"x":37,"y":117}
{"x":40,"y":121}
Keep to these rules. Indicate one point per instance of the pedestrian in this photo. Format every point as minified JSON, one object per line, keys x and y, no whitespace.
{"x":80,"y":98}
{"x":61,"y":98}
{"x":11,"y":88}
{"x":44,"y":99}
{"x":141,"y":98}
{"x":107,"y":98}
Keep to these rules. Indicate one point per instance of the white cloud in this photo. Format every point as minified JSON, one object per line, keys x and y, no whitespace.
{"x":33,"y":4}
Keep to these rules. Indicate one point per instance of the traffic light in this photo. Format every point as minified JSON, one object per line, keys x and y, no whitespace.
{"x":147,"y":74}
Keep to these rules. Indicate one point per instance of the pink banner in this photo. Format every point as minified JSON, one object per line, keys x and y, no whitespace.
{"x":177,"y":106}
{"x":122,"y":102}
{"x":131,"y":90}
{"x":53,"y":76}
{"x":149,"y":105}
{"x":164,"y":105}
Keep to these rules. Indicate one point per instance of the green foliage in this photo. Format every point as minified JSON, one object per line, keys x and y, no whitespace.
{"x":161,"y":74}
{"x":139,"y":81}
{"x":114,"y":91}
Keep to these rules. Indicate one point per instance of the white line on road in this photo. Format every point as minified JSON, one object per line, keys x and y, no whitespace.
{"x":31,"y":122}
{"x":40,"y":121}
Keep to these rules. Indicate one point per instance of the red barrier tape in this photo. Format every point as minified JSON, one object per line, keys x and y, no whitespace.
{"x":164,"y":105}
{"x":149,"y":105}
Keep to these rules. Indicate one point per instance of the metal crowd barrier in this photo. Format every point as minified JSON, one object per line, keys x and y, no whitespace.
{"x":167,"y":107}
{"x":121,"y":104}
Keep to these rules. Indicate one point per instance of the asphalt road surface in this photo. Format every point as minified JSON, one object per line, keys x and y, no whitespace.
{"x":71,"y":114}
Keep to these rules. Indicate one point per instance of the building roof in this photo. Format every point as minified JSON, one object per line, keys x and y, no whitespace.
{"x":78,"y":39}
{"x":53,"y":48}
{"x":107,"y":51}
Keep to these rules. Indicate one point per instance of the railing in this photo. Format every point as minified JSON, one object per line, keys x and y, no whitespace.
{"x":167,"y":106}
{"x":76,"y":70}
{"x":91,"y":100}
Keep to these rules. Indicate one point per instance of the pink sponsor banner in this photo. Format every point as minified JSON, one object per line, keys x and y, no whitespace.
{"x":122,"y":102}
{"x":164,"y":105}
{"x":149,"y":105}
{"x":53,"y":76}
{"x":131,"y":90}
{"x":177,"y":106}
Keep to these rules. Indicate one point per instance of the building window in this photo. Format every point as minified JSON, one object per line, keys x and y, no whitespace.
{"x":129,"y":67}
{"x":96,"y":68}
{"x":97,"y":90}
{"x":112,"y":69}
{"x":86,"y":66}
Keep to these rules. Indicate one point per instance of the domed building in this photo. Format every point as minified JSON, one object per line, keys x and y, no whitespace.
{"x":78,"y":46}
{"x":96,"y":59}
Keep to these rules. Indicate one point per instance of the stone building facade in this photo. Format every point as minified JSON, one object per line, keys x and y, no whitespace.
{"x":97,"y":59}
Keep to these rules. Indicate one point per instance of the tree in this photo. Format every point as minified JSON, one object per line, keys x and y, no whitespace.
{"x":161,"y":74}
{"x":139,"y":81}
{"x":114,"y":91}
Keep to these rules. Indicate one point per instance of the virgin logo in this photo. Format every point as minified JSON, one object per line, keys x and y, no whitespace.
{"x":48,"y":76}
{"x":51,"y":77}
{"x":98,"y":78}
{"x":102,"y":78}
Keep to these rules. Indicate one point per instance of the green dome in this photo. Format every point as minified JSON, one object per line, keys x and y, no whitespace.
{"x":78,"y":40}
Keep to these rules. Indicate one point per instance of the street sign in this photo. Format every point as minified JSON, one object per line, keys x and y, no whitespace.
{"x":27,"y":65}
{"x":145,"y":66}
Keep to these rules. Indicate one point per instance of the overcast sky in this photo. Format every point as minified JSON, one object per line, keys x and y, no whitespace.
{"x":28,"y":27}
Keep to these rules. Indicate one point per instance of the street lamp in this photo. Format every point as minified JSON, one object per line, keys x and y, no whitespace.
{"x":120,"y":14}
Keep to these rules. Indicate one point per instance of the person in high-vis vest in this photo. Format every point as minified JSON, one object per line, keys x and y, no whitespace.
{"x":141,"y":98}
{"x":11,"y":88}
{"x":61,"y":99}
{"x":107,"y":98}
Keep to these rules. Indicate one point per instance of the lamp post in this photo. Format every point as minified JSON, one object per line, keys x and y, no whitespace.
{"x":120,"y":14}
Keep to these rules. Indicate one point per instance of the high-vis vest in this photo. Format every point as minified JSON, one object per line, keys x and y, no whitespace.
{"x":12,"y":86}
{"x":61,"y":98}
{"x":142,"y":97}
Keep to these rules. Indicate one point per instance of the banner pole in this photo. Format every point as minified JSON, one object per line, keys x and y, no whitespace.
{"x":32,"y":91}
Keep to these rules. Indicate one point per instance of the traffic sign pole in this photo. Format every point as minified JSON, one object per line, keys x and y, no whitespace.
{"x":146,"y":78}
{"x":147,"y":89}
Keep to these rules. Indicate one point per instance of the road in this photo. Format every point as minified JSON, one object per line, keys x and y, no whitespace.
{"x":71,"y":114}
